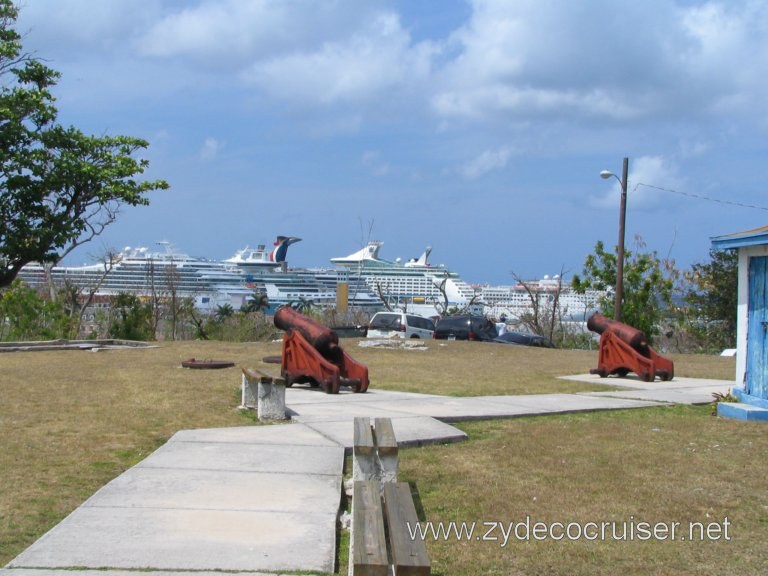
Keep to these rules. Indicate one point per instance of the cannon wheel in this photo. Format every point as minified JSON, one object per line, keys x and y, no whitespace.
{"x":330,"y":387}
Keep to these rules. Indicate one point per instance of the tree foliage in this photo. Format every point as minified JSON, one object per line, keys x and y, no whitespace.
{"x":647,"y":287}
{"x":131,"y":318}
{"x":59,"y":187}
{"x":712,"y":297}
{"x":24,"y":315}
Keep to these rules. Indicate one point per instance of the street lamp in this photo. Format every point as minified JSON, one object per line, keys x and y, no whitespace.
{"x":605,"y":174}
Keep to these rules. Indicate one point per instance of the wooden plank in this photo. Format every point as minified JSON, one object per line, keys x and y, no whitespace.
{"x":409,"y":556}
{"x":369,"y":548}
{"x":254,"y":374}
{"x":363,"y":440}
{"x":386,"y":443}
{"x":251,"y":374}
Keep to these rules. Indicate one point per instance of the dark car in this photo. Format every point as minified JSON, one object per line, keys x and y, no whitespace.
{"x":522,"y":339}
{"x":465,"y":327}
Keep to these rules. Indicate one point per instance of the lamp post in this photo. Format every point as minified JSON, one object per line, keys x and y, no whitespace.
{"x":605,"y":174}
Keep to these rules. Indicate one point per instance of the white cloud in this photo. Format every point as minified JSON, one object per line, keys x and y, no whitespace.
{"x":373,"y":161}
{"x":376,"y":60}
{"x":486,"y":162}
{"x":693,"y":148}
{"x":617,"y":60}
{"x":221,"y":31}
{"x":70,"y":26}
{"x":609,"y":59}
{"x":210,"y":149}
{"x":648,"y":176}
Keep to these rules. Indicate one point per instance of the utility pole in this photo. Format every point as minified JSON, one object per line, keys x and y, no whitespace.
{"x":620,"y":252}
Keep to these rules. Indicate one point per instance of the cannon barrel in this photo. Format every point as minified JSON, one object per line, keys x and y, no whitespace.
{"x":632,"y":336}
{"x":322,"y":338}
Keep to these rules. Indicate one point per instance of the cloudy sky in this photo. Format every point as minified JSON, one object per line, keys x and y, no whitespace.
{"x":478,"y":127}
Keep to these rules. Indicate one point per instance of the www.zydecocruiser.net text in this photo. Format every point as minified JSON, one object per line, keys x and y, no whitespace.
{"x":526,"y":530}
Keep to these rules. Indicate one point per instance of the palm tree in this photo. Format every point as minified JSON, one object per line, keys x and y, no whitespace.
{"x":304,"y":305}
{"x":224,"y":311}
{"x":257,"y":302}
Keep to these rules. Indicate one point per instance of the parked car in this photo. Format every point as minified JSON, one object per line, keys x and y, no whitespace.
{"x":522,"y":339}
{"x":400,"y":325}
{"x":465,"y":327}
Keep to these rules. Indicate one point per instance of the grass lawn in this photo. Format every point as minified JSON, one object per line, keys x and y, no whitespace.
{"x":71,"y":421}
{"x":657,"y":465}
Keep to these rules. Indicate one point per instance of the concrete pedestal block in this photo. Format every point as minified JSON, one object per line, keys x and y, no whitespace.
{"x":249,"y":390}
{"x":271,"y":400}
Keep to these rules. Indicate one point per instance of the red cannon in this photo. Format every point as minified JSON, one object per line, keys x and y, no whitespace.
{"x":311,"y":353}
{"x":624,"y":349}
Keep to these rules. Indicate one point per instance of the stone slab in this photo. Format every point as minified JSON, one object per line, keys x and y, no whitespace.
{"x":300,"y":394}
{"x":247,"y":458}
{"x":701,"y":395}
{"x":564,"y":403}
{"x":140,"y":538}
{"x":68,"y":572}
{"x":217,"y":490}
{"x":452,"y":409}
{"x":288,"y":433}
{"x":409,"y":431}
{"x":307,"y":413}
{"x":632,"y":381}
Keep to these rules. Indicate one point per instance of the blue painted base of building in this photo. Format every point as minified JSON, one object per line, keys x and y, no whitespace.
{"x":749,"y":399}
{"x":741,"y":411}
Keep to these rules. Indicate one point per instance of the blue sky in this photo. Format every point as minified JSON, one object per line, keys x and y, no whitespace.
{"x":477,"y":127}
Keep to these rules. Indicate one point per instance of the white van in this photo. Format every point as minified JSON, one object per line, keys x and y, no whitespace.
{"x":400,"y":325}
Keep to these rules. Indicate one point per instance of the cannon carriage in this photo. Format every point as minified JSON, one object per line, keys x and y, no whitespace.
{"x":624,"y":349}
{"x":311,"y":353}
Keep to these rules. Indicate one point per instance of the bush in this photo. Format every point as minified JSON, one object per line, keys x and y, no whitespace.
{"x":24,"y":315}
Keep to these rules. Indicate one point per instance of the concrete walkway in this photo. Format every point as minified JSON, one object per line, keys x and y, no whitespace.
{"x":266,"y":498}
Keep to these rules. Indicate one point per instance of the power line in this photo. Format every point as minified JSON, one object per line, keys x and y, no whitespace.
{"x":700,"y":197}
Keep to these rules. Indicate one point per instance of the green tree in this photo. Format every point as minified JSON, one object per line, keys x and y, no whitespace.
{"x":647,"y":285}
{"x":59,"y":187}
{"x":256,"y":303}
{"x":712,"y":299}
{"x":303,"y":305}
{"x":132,"y":318}
{"x":224,"y":311}
{"x":24,"y":315}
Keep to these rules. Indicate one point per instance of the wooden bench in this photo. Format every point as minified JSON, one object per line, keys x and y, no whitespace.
{"x":377,"y":499}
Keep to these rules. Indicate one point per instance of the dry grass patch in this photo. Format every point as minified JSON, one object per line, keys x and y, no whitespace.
{"x":655,"y":465}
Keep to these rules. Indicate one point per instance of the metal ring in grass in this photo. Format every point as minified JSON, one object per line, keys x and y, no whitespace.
{"x":206,"y":364}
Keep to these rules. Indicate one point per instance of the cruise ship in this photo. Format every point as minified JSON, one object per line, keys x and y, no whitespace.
{"x":260,"y":259}
{"x":267,"y":271}
{"x":512,"y":301}
{"x":210,"y":283}
{"x":416,"y":284}
{"x":147,"y":273}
